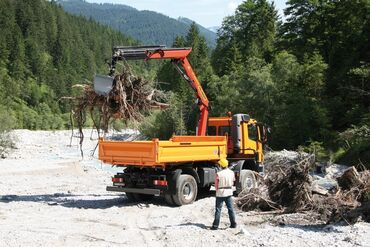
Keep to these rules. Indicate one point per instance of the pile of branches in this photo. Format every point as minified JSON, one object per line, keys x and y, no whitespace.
{"x":286,"y":184}
{"x":130,"y":98}
{"x":287,"y":188}
{"x":350,"y":201}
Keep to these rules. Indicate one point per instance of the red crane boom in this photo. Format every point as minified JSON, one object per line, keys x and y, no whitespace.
{"x":178,"y":57}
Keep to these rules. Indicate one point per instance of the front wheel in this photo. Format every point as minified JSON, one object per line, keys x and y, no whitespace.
{"x":186,"y":190}
{"x":247,"y":181}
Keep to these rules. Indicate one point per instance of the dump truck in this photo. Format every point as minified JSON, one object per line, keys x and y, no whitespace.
{"x":184,"y":166}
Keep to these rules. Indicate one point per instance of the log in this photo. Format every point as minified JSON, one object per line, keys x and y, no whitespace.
{"x":319,"y":190}
{"x":349,"y":179}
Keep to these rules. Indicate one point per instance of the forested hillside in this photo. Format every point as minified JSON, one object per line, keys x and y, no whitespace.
{"x":151,"y":28}
{"x":43,"y":52}
{"x":307,"y":77}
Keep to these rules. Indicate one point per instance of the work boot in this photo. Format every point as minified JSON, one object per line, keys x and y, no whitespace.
{"x":214,"y":228}
{"x":233,"y":225}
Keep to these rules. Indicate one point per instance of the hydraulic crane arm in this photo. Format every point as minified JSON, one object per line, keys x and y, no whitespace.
{"x":178,"y":57}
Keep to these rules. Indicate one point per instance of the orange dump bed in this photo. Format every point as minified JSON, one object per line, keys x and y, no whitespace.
{"x":179,"y":149}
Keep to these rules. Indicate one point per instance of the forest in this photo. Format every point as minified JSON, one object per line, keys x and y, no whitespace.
{"x":306,"y":75}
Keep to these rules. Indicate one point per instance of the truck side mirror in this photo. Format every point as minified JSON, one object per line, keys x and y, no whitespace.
{"x":264,"y":131}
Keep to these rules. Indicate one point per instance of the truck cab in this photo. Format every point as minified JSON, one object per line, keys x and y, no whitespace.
{"x":245,"y":145}
{"x":245,"y":137}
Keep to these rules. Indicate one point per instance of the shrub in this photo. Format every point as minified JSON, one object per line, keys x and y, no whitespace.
{"x":7,"y":121}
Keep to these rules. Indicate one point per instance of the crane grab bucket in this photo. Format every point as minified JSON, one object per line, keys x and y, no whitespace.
{"x":103,"y":84}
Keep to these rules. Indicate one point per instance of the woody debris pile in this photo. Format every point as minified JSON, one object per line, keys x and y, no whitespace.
{"x":129,"y":99}
{"x":288,"y":186}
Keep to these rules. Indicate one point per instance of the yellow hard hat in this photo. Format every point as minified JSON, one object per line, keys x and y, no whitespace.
{"x":223,"y":163}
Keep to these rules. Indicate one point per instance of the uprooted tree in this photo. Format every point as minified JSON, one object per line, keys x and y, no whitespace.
{"x":287,"y":188}
{"x":130,"y":99}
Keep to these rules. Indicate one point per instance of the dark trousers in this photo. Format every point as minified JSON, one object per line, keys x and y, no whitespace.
{"x":229,"y":204}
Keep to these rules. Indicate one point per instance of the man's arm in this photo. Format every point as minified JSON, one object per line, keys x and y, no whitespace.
{"x":216,"y":182}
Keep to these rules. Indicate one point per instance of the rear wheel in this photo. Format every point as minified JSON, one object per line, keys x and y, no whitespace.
{"x":186,"y":190}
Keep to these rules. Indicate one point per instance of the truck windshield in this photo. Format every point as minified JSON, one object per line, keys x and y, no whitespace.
{"x":252,"y":132}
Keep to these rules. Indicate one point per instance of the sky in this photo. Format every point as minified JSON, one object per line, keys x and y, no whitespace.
{"x":208,"y":13}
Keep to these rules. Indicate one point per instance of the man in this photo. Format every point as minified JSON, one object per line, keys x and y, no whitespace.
{"x":223,"y":183}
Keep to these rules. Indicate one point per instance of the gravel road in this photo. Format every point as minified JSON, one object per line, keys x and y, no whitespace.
{"x":49,"y":196}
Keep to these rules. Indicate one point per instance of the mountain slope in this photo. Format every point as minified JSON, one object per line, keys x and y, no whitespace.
{"x":147,"y":26}
{"x":43,"y":52}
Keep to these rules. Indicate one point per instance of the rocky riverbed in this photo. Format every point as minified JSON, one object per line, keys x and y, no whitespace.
{"x":50,"y":196}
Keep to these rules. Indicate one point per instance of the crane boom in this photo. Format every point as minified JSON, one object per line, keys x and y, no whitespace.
{"x":179,"y":58}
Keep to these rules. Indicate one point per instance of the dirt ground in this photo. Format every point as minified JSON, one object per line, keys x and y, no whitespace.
{"x":49,"y":196}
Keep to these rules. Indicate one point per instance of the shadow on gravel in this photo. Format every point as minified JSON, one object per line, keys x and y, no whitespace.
{"x":93,"y":201}
{"x":203,"y":226}
{"x":319,"y":228}
{"x":206,"y":194}
{"x":89,"y":201}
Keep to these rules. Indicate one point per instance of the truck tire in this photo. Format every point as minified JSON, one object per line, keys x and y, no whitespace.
{"x":247,"y":181}
{"x":186,"y":190}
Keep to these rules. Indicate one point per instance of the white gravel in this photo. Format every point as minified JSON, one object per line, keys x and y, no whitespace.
{"x":49,"y":196}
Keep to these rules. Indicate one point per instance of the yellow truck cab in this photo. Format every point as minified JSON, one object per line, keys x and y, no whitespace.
{"x":245,"y":137}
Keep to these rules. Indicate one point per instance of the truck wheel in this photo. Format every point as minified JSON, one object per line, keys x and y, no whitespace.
{"x":247,"y":181}
{"x":186,"y":190}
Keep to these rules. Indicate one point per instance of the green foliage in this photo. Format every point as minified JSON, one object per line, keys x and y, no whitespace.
{"x":317,"y":148}
{"x":355,"y":135}
{"x":43,"y":52}
{"x":250,"y":32}
{"x":339,"y":32}
{"x":164,"y":124}
{"x":299,"y":114}
{"x":356,"y":143}
{"x":6,"y":124}
{"x":224,"y":99}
